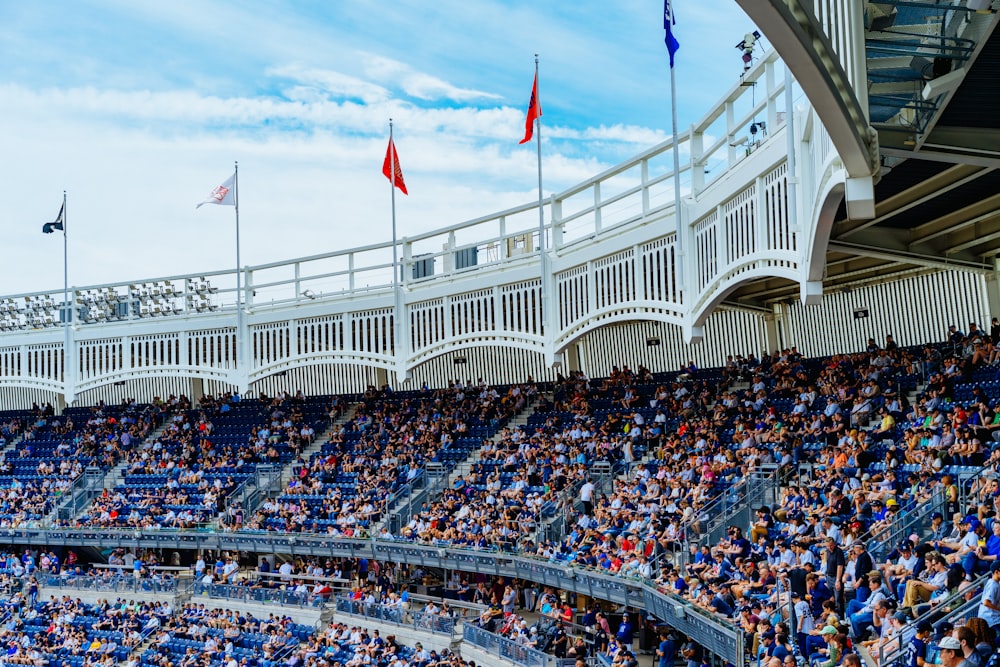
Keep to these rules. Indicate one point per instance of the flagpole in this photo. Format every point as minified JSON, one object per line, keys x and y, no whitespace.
{"x":397,"y":323}
{"x":677,"y":181}
{"x":541,"y":211}
{"x":239,"y":283}
{"x":67,"y":310}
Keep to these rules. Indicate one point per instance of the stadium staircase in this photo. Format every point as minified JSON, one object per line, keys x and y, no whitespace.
{"x":317,"y":444}
{"x":91,"y":484}
{"x":437,"y":480}
{"x":11,"y":446}
{"x":259,"y":489}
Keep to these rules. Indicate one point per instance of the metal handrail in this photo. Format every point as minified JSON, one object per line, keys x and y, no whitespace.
{"x":253,"y":594}
{"x":718,"y":634}
{"x":417,"y":620}
{"x":115,"y":584}
{"x":508,"y":649}
{"x":905,"y":524}
{"x":897,"y":655}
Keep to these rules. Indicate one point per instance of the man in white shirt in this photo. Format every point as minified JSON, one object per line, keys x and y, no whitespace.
{"x":587,"y":496}
{"x":230,"y":570}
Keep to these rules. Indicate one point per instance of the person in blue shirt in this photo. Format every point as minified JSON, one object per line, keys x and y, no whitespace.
{"x":989,"y":604}
{"x":979,"y":560}
{"x":626,"y":632}
{"x":916,"y":650}
{"x":667,"y":650}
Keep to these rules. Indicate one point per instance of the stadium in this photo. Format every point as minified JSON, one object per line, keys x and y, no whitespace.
{"x":735,"y":400}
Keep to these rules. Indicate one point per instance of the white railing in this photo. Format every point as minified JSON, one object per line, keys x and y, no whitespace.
{"x":611,"y":241}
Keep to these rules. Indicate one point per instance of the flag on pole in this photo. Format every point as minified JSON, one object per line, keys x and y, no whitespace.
{"x":50,"y":227}
{"x":391,"y":168}
{"x":222,"y":194}
{"x":668,"y":23}
{"x":534,"y":111}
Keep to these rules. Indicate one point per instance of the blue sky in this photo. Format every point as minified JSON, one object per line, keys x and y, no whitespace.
{"x":138,"y":109}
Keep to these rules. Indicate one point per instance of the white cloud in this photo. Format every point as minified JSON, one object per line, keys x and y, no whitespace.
{"x":139,"y":127}
{"x":418,"y":84}
{"x":331,"y":83}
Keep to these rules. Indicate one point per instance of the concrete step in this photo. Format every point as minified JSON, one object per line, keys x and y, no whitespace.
{"x":111,"y":478}
{"x":318,"y":442}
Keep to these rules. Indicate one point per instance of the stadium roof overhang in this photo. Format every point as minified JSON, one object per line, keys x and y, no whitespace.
{"x":938,"y":199}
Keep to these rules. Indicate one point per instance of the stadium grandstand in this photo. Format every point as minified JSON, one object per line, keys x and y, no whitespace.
{"x":756,"y":424}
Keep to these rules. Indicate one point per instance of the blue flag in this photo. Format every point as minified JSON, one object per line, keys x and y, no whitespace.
{"x":668,"y":22}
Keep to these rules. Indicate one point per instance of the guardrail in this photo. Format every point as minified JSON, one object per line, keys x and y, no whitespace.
{"x":953,"y":609}
{"x":259,"y":595}
{"x":905,"y":523}
{"x":115,"y":584}
{"x":716,"y":634}
{"x":507,"y":649}
{"x":398,"y":616}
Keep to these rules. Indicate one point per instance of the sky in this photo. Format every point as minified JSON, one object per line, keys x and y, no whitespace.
{"x":138,"y":109}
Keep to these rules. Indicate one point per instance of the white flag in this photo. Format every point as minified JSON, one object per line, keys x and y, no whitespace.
{"x":222,"y":194}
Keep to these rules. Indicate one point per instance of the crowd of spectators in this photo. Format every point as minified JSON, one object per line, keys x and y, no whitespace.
{"x":347,"y":487}
{"x":183,"y":478}
{"x":855,"y":457}
{"x":49,"y":453}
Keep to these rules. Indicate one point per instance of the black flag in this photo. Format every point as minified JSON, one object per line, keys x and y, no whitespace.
{"x":50,"y":227}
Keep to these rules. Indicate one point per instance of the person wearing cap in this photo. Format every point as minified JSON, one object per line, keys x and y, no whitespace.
{"x":939,"y":529}
{"x":830,"y":655}
{"x":951,"y":652}
{"x":970,"y":540}
{"x":766,"y":648}
{"x":803,"y":618}
{"x":916,"y":648}
{"x":979,"y":559}
{"x":905,"y":564}
{"x":989,"y":604}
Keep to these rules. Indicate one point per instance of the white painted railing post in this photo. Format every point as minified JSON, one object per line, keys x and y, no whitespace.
{"x":736,"y":151}
{"x":503,"y":238}
{"x":644,"y":176}
{"x":406,"y":276}
{"x":597,"y":207}
{"x":555,"y":212}
{"x":696,"y":148}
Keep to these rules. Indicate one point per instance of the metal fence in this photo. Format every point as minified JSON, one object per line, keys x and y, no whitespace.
{"x":259,"y":595}
{"x":719,"y":635}
{"x":418,"y":620}
{"x":113,"y":584}
{"x":507,"y":649}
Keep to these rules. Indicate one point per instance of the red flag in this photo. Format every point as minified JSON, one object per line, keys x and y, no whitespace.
{"x":392,"y":171}
{"x":534,"y":111}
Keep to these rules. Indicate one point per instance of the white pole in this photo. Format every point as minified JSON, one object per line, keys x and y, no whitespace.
{"x":397,"y":323}
{"x":240,"y":338}
{"x":678,"y":223}
{"x":542,"y":256}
